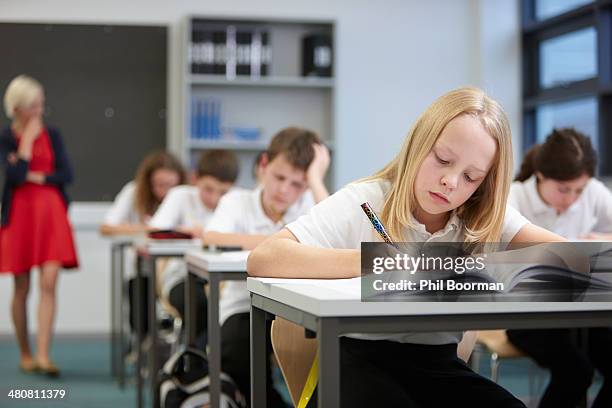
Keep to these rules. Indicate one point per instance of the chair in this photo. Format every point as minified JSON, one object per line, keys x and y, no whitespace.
{"x":497,"y":343}
{"x":294,"y":353}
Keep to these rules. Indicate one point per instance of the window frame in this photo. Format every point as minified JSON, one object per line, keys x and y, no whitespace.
{"x":597,"y":14}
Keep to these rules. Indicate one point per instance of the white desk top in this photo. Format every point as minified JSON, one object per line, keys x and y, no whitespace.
{"x":125,"y":238}
{"x":169,"y":247}
{"x":232,"y":261}
{"x":342,"y":297}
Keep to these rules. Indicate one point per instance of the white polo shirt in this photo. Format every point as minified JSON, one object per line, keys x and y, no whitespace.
{"x":123,"y":210}
{"x":339,"y":222}
{"x":241,"y":212}
{"x":592,"y":212}
{"x":182,"y":207}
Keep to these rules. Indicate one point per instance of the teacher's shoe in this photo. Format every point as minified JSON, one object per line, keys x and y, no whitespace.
{"x":48,"y":369}
{"x":29,"y":367}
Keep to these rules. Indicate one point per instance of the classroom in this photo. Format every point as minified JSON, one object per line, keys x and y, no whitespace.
{"x":334,"y":203}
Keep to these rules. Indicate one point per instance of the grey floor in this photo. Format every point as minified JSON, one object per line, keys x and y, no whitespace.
{"x":87,"y":381}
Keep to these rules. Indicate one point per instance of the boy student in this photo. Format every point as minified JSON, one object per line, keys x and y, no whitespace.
{"x":449,"y":183}
{"x":190,"y":209}
{"x":293,"y":169}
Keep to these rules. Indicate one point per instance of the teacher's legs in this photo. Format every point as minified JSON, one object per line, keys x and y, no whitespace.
{"x":46,"y":310}
{"x":20,"y":316}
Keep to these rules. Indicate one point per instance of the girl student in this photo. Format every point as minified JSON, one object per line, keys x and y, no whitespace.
{"x":449,"y":182}
{"x":135,"y":205}
{"x":139,"y":199}
{"x":556,"y":190}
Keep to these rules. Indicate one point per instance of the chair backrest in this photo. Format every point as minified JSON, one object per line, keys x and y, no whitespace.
{"x":295,"y":354}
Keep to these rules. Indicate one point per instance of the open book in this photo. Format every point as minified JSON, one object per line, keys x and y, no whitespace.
{"x":555,"y":266}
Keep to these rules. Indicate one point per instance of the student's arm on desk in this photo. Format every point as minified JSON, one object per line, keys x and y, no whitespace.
{"x":246,"y":241}
{"x":282,"y":256}
{"x":123,"y":229}
{"x":531,"y":234}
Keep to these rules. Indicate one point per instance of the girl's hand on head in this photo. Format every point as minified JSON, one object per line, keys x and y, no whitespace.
{"x":12,"y":158}
{"x":32,"y":128}
{"x":35,"y":177}
{"x":319,"y":165}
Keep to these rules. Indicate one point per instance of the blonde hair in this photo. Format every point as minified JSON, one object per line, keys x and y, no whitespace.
{"x":21,"y":92}
{"x":483,"y":213}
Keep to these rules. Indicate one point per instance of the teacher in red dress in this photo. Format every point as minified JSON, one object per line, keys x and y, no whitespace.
{"x":34,"y":228}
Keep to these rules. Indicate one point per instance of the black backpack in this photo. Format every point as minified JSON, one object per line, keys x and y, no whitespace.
{"x":184,"y":383}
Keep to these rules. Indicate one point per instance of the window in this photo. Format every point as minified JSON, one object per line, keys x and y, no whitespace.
{"x":580,"y":114}
{"x":550,"y":8}
{"x":567,"y":71}
{"x":568,"y":57}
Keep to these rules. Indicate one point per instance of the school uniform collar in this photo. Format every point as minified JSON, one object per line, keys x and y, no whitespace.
{"x":262,"y":220}
{"x":539,"y":206}
{"x":454,"y":223}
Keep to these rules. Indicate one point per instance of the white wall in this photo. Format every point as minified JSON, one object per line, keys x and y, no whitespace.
{"x":393,"y":58}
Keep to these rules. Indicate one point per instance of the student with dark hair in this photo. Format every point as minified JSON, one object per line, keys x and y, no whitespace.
{"x":189,"y":209}
{"x":293,"y":170}
{"x":556,"y":189}
{"x":138,"y":200}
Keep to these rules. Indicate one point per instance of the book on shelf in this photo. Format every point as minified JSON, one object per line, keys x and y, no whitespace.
{"x":205,"y":118}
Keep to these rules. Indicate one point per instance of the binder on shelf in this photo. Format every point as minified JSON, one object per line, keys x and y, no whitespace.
{"x":261,"y":53}
{"x":266,"y":53}
{"x":202,"y":120}
{"x":243,"y":52}
{"x":201,"y":50}
{"x":215,"y":119}
{"x":192,"y":50}
{"x":207,"y":52}
{"x":220,"y":47}
{"x":317,"y":55}
{"x":195,"y":115}
{"x":230,"y":47}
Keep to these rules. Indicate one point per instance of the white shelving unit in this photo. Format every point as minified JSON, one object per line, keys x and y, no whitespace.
{"x":269,"y":103}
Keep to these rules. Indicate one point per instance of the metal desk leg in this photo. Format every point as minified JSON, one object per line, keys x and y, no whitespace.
{"x":214,"y":342}
{"x":329,"y":363}
{"x":153,"y":358}
{"x":190,"y":308}
{"x":259,"y":358}
{"x":113,"y":311}
{"x":139,"y":329}
{"x":120,"y":317}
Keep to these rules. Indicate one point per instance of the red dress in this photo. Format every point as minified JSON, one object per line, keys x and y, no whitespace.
{"x":38,"y":229}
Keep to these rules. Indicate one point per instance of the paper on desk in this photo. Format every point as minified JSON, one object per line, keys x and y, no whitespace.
{"x":351,"y":286}
{"x":235,"y":255}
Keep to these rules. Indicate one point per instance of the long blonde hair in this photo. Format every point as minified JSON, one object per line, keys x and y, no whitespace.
{"x":483,"y":213}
